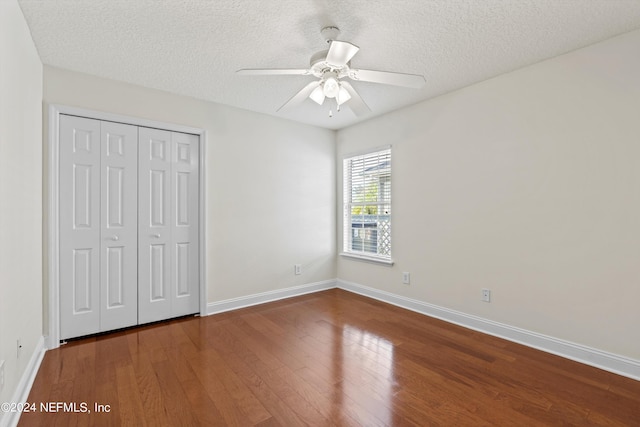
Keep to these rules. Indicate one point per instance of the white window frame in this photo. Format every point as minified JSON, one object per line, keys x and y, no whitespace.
{"x":348,"y":204}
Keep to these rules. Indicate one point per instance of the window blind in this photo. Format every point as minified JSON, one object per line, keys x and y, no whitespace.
{"x":367,"y":204}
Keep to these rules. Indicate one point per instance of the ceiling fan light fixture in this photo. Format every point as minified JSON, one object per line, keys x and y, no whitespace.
{"x":343,"y":96}
{"x":317,"y":95}
{"x":331,"y":87}
{"x":332,"y":69}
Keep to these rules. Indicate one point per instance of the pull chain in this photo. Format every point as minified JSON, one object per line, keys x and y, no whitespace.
{"x":337,"y":108}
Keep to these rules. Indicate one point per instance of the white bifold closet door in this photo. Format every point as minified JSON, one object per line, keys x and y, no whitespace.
{"x":168,"y":225}
{"x":98,"y":226}
{"x":128,"y":225}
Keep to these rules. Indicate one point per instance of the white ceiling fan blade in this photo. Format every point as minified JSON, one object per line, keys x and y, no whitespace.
{"x":387,"y":78}
{"x":356,"y":103}
{"x":317,"y":95}
{"x":341,"y":52}
{"x":272,"y":71}
{"x":300,"y":96}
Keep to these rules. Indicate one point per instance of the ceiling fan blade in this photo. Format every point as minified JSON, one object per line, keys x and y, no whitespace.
{"x":272,"y":71}
{"x":341,"y":52}
{"x":387,"y":78}
{"x":356,"y":103}
{"x":300,"y":96}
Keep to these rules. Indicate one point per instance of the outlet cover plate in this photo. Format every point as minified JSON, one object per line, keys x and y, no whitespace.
{"x":406,"y":278}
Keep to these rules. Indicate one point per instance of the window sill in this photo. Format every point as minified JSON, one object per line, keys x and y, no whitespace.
{"x":371,"y":259}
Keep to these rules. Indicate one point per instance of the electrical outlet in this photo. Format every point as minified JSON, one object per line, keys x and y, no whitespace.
{"x":297,"y":269}
{"x":486,"y":295}
{"x":406,"y":278}
{"x":1,"y":374}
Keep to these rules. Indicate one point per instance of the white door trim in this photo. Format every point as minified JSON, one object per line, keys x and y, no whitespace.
{"x":53,"y":233}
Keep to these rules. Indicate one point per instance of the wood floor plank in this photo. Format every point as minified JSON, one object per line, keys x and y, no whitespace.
{"x":128,"y":397}
{"x":280,"y":410}
{"x":233,"y":399}
{"x":304,"y":409}
{"x":149,"y":390}
{"x":327,"y":358}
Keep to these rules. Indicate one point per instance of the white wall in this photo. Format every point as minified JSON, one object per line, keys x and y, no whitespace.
{"x":20,"y":195}
{"x":527,"y":184}
{"x":270,"y":183}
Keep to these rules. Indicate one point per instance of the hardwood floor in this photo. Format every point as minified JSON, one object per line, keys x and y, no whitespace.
{"x":329,"y":358}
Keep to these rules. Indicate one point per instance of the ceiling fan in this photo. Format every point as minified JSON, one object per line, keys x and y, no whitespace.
{"x":331,"y":67}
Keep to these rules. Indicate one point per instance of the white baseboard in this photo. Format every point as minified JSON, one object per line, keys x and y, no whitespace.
{"x":10,"y":419}
{"x":579,"y":353}
{"x":261,"y":298}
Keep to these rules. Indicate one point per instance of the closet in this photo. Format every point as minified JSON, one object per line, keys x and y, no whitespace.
{"x":128,"y":224}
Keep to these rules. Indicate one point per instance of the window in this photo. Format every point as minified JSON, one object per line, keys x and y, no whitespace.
{"x":367,"y":205}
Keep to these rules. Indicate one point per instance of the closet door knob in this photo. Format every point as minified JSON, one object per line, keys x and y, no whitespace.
{"x":115,"y":238}
{"x":157,"y":236}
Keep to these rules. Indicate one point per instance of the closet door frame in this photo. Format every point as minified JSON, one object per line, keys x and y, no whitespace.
{"x":52,"y":258}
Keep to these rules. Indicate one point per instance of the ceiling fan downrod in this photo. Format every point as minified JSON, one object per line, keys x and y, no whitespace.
{"x":330,"y":33}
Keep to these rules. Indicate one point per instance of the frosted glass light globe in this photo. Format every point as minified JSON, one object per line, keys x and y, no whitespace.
{"x":331,"y":87}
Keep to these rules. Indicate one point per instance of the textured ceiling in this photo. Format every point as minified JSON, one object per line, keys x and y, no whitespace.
{"x":194,"y":47}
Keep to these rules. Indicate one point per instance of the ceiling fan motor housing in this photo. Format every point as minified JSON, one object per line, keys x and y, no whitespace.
{"x":319,"y":66}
